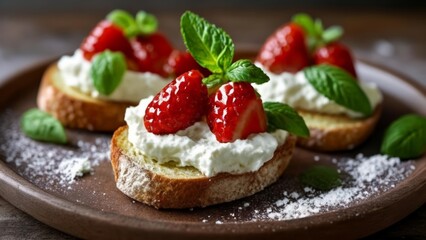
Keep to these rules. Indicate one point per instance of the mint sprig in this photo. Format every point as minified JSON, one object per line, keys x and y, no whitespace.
{"x":41,"y":126}
{"x":144,"y":24}
{"x":315,"y":32}
{"x":406,"y":137}
{"x":338,"y":86}
{"x":282,"y":116}
{"x":107,"y":71}
{"x":320,"y":177}
{"x":214,"y":49}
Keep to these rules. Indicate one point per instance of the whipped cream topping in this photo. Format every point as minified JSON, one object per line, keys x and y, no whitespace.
{"x":197,"y":146}
{"x":75,"y":71}
{"x":296,"y":91}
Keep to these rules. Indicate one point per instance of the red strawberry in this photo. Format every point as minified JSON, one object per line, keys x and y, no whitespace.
{"x":105,"y":36}
{"x":180,"y":62}
{"x":178,"y":105}
{"x":285,"y":50}
{"x":152,"y":53}
{"x":335,"y":54}
{"x":235,"y":112}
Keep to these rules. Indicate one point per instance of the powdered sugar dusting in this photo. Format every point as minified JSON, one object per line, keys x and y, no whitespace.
{"x":363,"y":178}
{"x":70,"y":169}
{"x":49,"y":164}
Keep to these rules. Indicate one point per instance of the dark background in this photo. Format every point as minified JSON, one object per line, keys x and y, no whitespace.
{"x":86,"y":5}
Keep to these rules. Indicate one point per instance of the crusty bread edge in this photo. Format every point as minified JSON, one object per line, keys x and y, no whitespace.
{"x":76,"y":110}
{"x":339,"y":138}
{"x":165,"y":192}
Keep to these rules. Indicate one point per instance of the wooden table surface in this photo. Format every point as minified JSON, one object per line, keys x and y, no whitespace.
{"x":395,"y":39}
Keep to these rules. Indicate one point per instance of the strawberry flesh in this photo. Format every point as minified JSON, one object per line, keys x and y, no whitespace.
{"x":178,"y":105}
{"x":235,"y":112}
{"x":152,"y":53}
{"x":285,"y":50}
{"x":335,"y":54}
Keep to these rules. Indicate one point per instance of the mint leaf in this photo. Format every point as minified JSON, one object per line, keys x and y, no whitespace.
{"x":144,"y":24}
{"x":121,"y":18}
{"x":147,"y":23}
{"x":282,"y":116}
{"x":315,"y":33}
{"x":41,"y":126}
{"x":321,"y":178}
{"x":211,"y":47}
{"x":332,"y":34}
{"x":125,"y":21}
{"x":339,"y":86}
{"x":245,"y":71}
{"x":405,"y":137}
{"x":306,"y":22}
{"x":107,"y":71}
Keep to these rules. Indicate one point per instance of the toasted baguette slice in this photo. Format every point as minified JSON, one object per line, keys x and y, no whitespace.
{"x":171,"y":186}
{"x":336,"y":132}
{"x":75,"y":109}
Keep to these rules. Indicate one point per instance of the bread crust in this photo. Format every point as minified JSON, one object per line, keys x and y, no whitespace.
{"x":75,"y":109}
{"x":153,"y":187}
{"x":336,"y":132}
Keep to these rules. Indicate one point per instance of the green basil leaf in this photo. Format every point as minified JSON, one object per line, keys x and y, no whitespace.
{"x":245,"y":71}
{"x":107,"y":71}
{"x":41,"y":126}
{"x":147,"y":23}
{"x":332,"y":34}
{"x":213,"y":80}
{"x":321,"y":178}
{"x":282,"y":116}
{"x":405,"y":137}
{"x":339,"y":86}
{"x":211,"y":47}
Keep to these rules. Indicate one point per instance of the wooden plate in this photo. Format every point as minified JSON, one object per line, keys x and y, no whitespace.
{"x":92,"y":207}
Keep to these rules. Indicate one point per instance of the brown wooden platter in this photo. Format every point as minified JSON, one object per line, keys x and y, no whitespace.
{"x":92,"y":207}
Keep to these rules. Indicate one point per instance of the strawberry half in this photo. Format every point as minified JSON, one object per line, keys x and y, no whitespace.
{"x":178,"y":105}
{"x":152,"y":53}
{"x":106,"y":36}
{"x":235,"y":112}
{"x":285,"y":50}
{"x":335,"y":54}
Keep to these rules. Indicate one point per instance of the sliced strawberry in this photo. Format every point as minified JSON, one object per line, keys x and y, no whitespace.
{"x":152,"y":53}
{"x":235,"y":112}
{"x":106,"y":36}
{"x":335,"y":54}
{"x":182,"y":61}
{"x":285,"y":50}
{"x":178,"y":105}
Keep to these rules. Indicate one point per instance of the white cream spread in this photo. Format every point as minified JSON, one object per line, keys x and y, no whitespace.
{"x":75,"y":71}
{"x":296,"y":91}
{"x":197,"y":146}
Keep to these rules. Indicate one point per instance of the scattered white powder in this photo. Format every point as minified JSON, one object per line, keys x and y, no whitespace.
{"x":72,"y":168}
{"x":362,"y":177}
{"x":47,"y":164}
{"x":365,"y":177}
